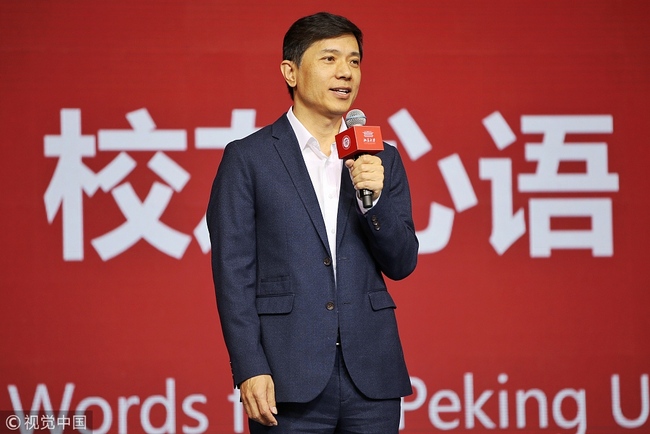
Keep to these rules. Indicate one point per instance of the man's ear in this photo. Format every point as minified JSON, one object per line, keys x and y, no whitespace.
{"x":288,"y":69}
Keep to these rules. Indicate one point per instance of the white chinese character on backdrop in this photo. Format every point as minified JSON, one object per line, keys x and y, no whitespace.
{"x":72,"y":178}
{"x":441,"y":218}
{"x":143,"y":218}
{"x":553,"y":150}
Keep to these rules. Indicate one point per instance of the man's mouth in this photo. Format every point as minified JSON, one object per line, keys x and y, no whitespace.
{"x":341,"y":90}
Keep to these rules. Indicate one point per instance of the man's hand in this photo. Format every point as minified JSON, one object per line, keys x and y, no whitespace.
{"x":367,"y":172}
{"x":258,"y":397}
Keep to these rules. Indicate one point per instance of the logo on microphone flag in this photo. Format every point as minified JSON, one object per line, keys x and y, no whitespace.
{"x":346,"y":142}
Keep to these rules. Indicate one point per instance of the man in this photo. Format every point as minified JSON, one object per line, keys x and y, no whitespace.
{"x":297,"y":261}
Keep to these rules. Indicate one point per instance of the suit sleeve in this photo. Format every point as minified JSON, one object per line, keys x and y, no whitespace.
{"x":231,"y":223}
{"x":389,"y":224}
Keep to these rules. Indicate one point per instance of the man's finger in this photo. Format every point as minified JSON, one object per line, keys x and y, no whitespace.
{"x":265,"y":413}
{"x":270,"y":396}
{"x":256,"y":394}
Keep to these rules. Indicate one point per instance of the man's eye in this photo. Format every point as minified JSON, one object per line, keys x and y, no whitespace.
{"x":356,"y":62}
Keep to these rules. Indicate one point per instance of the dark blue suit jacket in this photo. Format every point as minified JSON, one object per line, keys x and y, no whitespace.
{"x":280,"y":306}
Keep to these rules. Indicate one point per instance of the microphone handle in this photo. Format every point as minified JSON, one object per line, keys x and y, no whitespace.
{"x":366,"y":197}
{"x":364,"y":194}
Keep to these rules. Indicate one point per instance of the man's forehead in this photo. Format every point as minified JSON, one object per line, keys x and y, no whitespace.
{"x":337,"y":45}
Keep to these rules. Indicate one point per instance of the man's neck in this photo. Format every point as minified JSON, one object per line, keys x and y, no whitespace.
{"x":323,"y":129}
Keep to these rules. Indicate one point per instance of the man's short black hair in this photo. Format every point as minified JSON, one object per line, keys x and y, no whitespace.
{"x":313,"y":28}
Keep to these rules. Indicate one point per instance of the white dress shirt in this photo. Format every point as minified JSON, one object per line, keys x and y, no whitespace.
{"x":325,"y":174}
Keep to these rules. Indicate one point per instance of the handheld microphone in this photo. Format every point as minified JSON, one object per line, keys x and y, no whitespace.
{"x":357,"y":140}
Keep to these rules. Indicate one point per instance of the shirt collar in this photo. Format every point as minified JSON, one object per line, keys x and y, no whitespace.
{"x":302,"y":134}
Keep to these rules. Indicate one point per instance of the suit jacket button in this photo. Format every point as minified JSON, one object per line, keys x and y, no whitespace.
{"x":327,"y":261}
{"x":329,"y":305}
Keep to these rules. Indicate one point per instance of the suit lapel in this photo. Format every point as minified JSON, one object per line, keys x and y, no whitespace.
{"x":287,"y":147}
{"x":346,"y":199}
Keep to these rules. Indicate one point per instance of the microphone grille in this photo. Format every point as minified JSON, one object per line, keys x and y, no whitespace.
{"x":355,"y":117}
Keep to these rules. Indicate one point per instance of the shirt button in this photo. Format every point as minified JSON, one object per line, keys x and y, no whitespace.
{"x":329,"y":305}
{"x":327,"y":261}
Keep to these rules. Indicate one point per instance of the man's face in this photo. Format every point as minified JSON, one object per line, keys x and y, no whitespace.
{"x":327,"y":81}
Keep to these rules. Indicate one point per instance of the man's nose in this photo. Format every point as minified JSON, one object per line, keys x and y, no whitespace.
{"x":343,"y":70}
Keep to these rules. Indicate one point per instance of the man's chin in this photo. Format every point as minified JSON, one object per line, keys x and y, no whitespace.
{"x":342,"y":109}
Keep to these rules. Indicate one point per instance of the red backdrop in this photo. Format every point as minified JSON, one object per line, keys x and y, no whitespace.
{"x":522,"y":125}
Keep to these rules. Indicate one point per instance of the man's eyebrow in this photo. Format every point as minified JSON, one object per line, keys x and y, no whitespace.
{"x":335,"y":51}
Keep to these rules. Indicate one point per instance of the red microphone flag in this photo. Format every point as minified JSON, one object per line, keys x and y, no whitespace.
{"x":359,"y":140}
